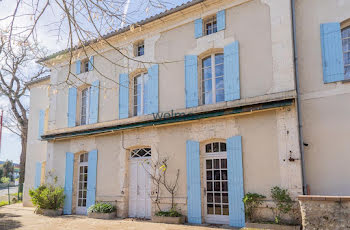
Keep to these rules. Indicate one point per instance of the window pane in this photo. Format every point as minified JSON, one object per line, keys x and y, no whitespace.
{"x":207,"y":98}
{"x":209,"y":175}
{"x":219,"y":59}
{"x":217,"y":186}
{"x":217,"y":198}
{"x":222,"y":148}
{"x":225,"y":210}
{"x":219,"y":70}
{"x":347,"y":72}
{"x":209,"y":164}
{"x":207,"y":85}
{"x":207,"y":62}
{"x":215,"y":27}
{"x":210,"y":197}
{"x":220,"y":95}
{"x":224,"y":175}
{"x":210,"y":209}
{"x":217,"y":209}
{"x":224,"y":186}
{"x":209,"y":186}
{"x":224,"y":197}
{"x":216,"y":164}
{"x":208,"y":148}
{"x":215,"y":147}
{"x":217,"y":174}
{"x":223,"y":163}
{"x":219,"y":83}
{"x":207,"y":73}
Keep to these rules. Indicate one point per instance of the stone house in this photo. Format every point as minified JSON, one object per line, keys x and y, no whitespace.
{"x":210,"y":86}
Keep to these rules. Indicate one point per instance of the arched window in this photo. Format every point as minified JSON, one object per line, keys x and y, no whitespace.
{"x":140,"y":93}
{"x":345,"y":34}
{"x":144,"y":152}
{"x":215,"y":147}
{"x":213,"y":79}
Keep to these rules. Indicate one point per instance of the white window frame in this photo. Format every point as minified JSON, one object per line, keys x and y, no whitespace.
{"x":81,"y":209}
{"x":211,"y":21}
{"x":141,"y":75}
{"x":212,"y":218}
{"x":213,"y":78}
{"x":136,"y":48}
{"x":87,"y":105}
{"x":84,"y":66}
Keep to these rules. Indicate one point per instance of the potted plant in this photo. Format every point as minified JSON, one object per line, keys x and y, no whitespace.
{"x":102,"y":211}
{"x":48,"y":199}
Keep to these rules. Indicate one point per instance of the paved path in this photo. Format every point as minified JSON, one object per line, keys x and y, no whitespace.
{"x":18,"y":217}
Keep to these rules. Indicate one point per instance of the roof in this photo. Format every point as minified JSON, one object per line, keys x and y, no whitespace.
{"x":37,"y":80}
{"x":127,"y":28}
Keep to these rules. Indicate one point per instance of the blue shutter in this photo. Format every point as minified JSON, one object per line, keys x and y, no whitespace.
{"x":37,"y":175}
{"x":123,"y":96}
{"x":191,"y":81}
{"x":92,"y":172}
{"x":235,"y":181}
{"x":68,"y":184}
{"x":198,"y":28}
{"x":41,"y":123}
{"x":151,"y":91}
{"x":332,"y":52}
{"x":91,"y":63}
{"x":231,"y":72}
{"x":72,"y":106}
{"x":77,"y":67}
{"x":194,"y":206}
{"x":94,"y":101}
{"x":221,"y":20}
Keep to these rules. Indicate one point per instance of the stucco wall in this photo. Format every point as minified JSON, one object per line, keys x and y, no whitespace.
{"x":36,"y":149}
{"x":252,"y":23}
{"x":323,"y":106}
{"x":263,"y":159}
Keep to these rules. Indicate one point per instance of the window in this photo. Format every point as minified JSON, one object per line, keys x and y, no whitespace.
{"x":215,"y":147}
{"x":213,"y":79}
{"x":144,"y":152}
{"x":345,"y":34}
{"x":210,"y":26}
{"x":84,"y":112}
{"x":139,"y":49}
{"x":140,"y":93}
{"x":85,"y":65}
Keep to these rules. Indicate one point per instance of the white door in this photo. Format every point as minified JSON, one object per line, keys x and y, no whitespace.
{"x":82,"y":184}
{"x":139,"y":185}
{"x":216,"y":184}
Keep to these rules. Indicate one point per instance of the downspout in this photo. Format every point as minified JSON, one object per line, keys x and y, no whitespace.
{"x":297,"y":85}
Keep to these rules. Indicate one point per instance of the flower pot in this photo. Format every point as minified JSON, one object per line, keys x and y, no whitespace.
{"x":98,"y":215}
{"x":168,"y":219}
{"x":50,"y":212}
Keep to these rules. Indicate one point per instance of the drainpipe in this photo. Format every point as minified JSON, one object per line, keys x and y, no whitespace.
{"x":297,"y":83}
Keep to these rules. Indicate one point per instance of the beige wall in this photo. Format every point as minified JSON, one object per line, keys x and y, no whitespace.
{"x":249,"y":22}
{"x":264,"y":160}
{"x":324,"y":107}
{"x":36,"y":149}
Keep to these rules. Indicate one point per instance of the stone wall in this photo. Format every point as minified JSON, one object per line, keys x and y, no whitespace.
{"x":325,"y":212}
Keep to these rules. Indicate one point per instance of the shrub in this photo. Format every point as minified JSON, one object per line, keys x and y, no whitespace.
{"x":48,"y":197}
{"x":3,"y":203}
{"x":170,"y":213}
{"x":283,"y":202}
{"x":252,"y":201}
{"x":102,"y":208}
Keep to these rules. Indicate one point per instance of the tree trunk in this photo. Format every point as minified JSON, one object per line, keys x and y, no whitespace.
{"x":22,"y":164}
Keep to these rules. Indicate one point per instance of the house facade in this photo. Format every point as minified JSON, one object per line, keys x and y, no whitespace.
{"x":209,"y":86}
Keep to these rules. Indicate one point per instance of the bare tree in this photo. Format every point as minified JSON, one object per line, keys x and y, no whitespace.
{"x":14,"y":74}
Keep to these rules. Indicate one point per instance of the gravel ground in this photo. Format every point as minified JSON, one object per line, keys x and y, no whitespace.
{"x":18,"y":217}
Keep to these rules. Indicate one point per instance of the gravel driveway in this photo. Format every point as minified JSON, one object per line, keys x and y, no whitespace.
{"x":18,"y":217}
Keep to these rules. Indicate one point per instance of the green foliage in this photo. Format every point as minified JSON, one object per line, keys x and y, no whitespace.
{"x":170,"y":213}
{"x":3,"y":203}
{"x":1,"y":172}
{"x":5,"y":180}
{"x":48,"y":197}
{"x":252,"y":201}
{"x":283,"y":202}
{"x":102,"y":208}
{"x":8,"y":168}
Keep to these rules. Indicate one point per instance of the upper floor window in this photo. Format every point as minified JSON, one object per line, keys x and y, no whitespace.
{"x":84,"y":109}
{"x":144,"y":152}
{"x":215,"y":147}
{"x":210,"y":25}
{"x":139,"y":49}
{"x":213,"y":79}
{"x":84,"y":65}
{"x":140,"y":93}
{"x":345,"y":34}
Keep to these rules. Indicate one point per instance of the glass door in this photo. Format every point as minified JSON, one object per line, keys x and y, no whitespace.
{"x":82,"y":184}
{"x":216,"y":190}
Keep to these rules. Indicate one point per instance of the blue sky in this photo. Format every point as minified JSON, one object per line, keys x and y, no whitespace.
{"x":11,"y":146}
